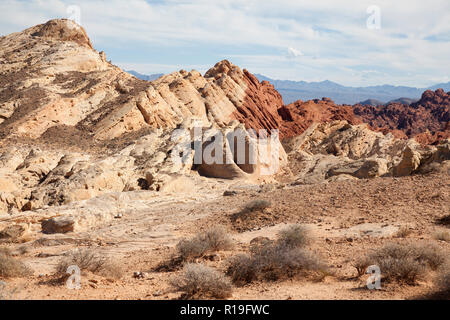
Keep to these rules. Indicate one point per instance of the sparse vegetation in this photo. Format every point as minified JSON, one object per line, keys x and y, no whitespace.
{"x":252,"y":215}
{"x":188,"y":250}
{"x":11,"y":267}
{"x":256,"y":205}
{"x":272,"y":261}
{"x":403,"y":232}
{"x":294,"y":236}
{"x":443,"y":280}
{"x":87,"y":260}
{"x":212,"y":240}
{"x":361,"y":265}
{"x":403,"y":263}
{"x":199,"y":281}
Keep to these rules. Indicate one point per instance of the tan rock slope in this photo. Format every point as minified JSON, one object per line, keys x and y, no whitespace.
{"x":61,"y":101}
{"x":51,"y":76}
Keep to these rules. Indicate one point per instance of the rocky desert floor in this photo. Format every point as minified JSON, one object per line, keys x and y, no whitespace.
{"x":347,"y":219}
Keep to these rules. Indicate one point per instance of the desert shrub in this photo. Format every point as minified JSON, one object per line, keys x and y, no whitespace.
{"x":443,"y":279}
{"x":361,"y":264}
{"x":273,"y":262}
{"x":212,"y":240}
{"x":294,"y":236}
{"x":256,"y":205}
{"x":404,"y":263}
{"x":429,"y":255}
{"x":87,"y":260}
{"x":11,"y":267}
{"x":243,"y":269}
{"x":442,"y":236}
{"x":217,"y":239}
{"x":403,"y":232}
{"x":199,"y":281}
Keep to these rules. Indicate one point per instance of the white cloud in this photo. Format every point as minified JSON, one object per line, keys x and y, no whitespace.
{"x":334,"y":40}
{"x":294,"y":53}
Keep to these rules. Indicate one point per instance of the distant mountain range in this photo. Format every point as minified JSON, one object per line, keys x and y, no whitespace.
{"x":295,"y":90}
{"x":145,"y":77}
{"x":375,"y":102}
{"x":373,"y":95}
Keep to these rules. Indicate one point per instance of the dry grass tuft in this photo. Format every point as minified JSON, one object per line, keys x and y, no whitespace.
{"x":403,"y":263}
{"x":11,"y":267}
{"x":403,"y":232}
{"x":87,"y":260}
{"x":294,"y":236}
{"x":212,"y":240}
{"x":188,"y":250}
{"x":198,"y":281}
{"x":271,"y":261}
{"x":443,"y":280}
{"x":256,"y":205}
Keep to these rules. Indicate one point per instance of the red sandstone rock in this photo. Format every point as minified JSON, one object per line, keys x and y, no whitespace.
{"x":427,"y":119}
{"x":298,"y":116}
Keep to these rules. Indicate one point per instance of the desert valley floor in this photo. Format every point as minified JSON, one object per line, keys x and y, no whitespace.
{"x":347,"y":220}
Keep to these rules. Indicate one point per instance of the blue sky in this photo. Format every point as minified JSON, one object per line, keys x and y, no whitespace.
{"x":295,"y":40}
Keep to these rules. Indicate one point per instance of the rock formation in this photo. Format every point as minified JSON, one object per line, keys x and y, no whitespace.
{"x":427,"y":119}
{"x":339,"y":150}
{"x":75,"y":129}
{"x":73,"y":126}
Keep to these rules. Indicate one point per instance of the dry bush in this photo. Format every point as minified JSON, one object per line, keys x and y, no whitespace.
{"x":403,"y":232}
{"x":243,"y":269}
{"x":88,"y":260}
{"x":403,"y":263}
{"x":361,"y":265}
{"x":198,"y":281}
{"x":256,"y":205}
{"x":429,"y":255}
{"x":442,"y":236}
{"x":443,"y":280}
{"x":210,"y":241}
{"x":273,"y":262}
{"x":11,"y":267}
{"x":294,"y":236}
